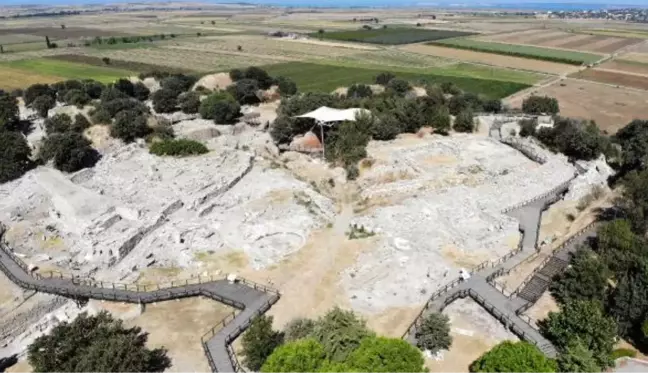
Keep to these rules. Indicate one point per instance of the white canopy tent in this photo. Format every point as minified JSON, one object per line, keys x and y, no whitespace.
{"x":326,"y":116}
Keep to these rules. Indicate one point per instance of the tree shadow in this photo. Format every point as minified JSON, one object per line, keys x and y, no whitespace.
{"x":7,"y":362}
{"x":24,"y":126}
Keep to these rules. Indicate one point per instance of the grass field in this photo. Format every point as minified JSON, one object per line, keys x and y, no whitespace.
{"x":392,"y":36}
{"x":67,"y":70}
{"x":11,"y":78}
{"x":326,"y":78}
{"x":547,"y":54}
{"x":117,"y":64}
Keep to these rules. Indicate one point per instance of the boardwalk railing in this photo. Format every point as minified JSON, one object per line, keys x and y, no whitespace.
{"x":554,"y":252}
{"x":555,"y":190}
{"x":84,"y":288}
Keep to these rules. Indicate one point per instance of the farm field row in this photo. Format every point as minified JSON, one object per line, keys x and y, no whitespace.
{"x":67,"y":70}
{"x":11,"y":78}
{"x":616,"y":78}
{"x":611,"y":107}
{"x":117,"y":64}
{"x":391,"y":35}
{"x":491,"y":59}
{"x":326,"y":78}
{"x":639,"y":34}
{"x":563,"y":40}
{"x":524,"y":51}
{"x":629,"y":66}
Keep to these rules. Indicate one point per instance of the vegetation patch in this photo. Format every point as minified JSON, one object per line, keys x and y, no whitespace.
{"x":118,"y":64}
{"x":68,"y":70}
{"x":179,"y":147}
{"x":391,"y":35}
{"x":326,"y":78}
{"x":524,"y":51}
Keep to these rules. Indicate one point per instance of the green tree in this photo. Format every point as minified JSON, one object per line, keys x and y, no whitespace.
{"x":236,"y":74}
{"x":36,"y":90}
{"x":245,"y":91}
{"x":384,"y":78}
{"x":95,"y":344}
{"x":628,"y":302}
{"x":634,"y":200}
{"x":287,"y":86}
{"x":298,"y":328}
{"x":111,"y":93}
{"x":264,"y":81}
{"x":633,"y":139}
{"x":385,"y":127}
{"x":43,"y":104}
{"x":380,"y":354}
{"x":398,"y":86}
{"x":586,"y":278}
{"x":93,"y":88}
{"x":140,"y":91}
{"x":464,"y":122}
{"x":305,"y":355}
{"x":359,"y":91}
{"x":528,"y":127}
{"x":441,"y":120}
{"x":8,"y":110}
{"x":340,"y":332}
{"x":513,"y":357}
{"x":540,"y":105}
{"x":450,"y":88}
{"x":69,"y":150}
{"x":76,"y":97}
{"x":585,"y":321}
{"x":80,"y":123}
{"x":14,"y":155}
{"x":178,"y":147}
{"x":259,"y":341}
{"x":129,"y":125}
{"x":178,"y":83}
{"x":282,"y":129}
{"x":577,"y":358}
{"x":435,"y":95}
{"x":189,"y":102}
{"x":434,"y":333}
{"x":58,"y":123}
{"x":165,"y":101}
{"x":221,"y":107}
{"x":125,"y":86}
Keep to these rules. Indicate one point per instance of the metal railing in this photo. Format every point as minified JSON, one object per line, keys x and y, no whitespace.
{"x":555,"y":190}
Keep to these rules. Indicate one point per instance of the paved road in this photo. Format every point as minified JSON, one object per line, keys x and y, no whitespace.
{"x":253,"y":300}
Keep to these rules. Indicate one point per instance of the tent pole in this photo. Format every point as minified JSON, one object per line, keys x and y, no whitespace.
{"x":323,"y":144}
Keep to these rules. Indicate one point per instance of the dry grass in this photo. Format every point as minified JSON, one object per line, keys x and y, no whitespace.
{"x":614,"y":77}
{"x":611,"y":108}
{"x":11,"y":78}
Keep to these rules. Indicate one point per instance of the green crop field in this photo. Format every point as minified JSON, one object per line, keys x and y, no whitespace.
{"x":68,"y":70}
{"x":392,"y":36}
{"x":525,"y":51}
{"x":326,"y":78}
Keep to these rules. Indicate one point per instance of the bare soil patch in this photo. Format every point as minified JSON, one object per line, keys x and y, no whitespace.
{"x":638,"y":57}
{"x":628,"y":67}
{"x":332,"y":44}
{"x":611,"y":108}
{"x":613,"y":77}
{"x":570,"y":41}
{"x":492,"y":59}
{"x":610,"y":45}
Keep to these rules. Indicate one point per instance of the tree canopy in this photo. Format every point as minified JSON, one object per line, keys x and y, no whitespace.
{"x":129,"y":125}
{"x":513,"y":357}
{"x":259,"y":341}
{"x":380,"y":354}
{"x":14,"y":155}
{"x":586,"y":278}
{"x":434,"y":332}
{"x":304,"y":355}
{"x":540,"y":105}
{"x":95,"y":344}
{"x":298,"y":328}
{"x":340,"y":332}
{"x":8,"y":110}
{"x":71,"y":151}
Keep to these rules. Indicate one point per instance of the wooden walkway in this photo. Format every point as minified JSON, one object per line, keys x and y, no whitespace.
{"x":506,"y":309}
{"x":251,"y":299}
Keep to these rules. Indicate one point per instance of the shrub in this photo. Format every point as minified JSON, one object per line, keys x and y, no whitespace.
{"x":76,"y":97}
{"x":38,"y":90}
{"x":207,"y":107}
{"x":80,"y":123}
{"x":189,"y":102}
{"x":245,"y":92}
{"x":340,"y":332}
{"x":70,"y":151}
{"x":8,"y":110}
{"x":287,"y":86}
{"x":111,"y":93}
{"x":623,"y":352}
{"x":14,"y":155}
{"x":178,"y":147}
{"x":178,"y":83}
{"x":221,"y":108}
{"x":434,"y":333}
{"x":359,"y":91}
{"x":441,"y":120}
{"x":125,"y":86}
{"x":236,"y":74}
{"x":282,"y":130}
{"x":385,"y":127}
{"x":528,"y":127}
{"x":93,"y":88}
{"x":100,"y":116}
{"x":384,"y":78}
{"x":465,"y":122}
{"x":165,"y":101}
{"x":140,"y":91}
{"x":463,"y":102}
{"x":540,"y":105}
{"x":129,"y":125}
{"x":398,"y":86}
{"x":450,"y":88}
{"x":18,"y":92}
{"x":492,"y":106}
{"x":305,"y":355}
{"x":99,"y":344}
{"x":380,"y":354}
{"x":58,"y":123}
{"x":435,"y":95}
{"x":261,"y":76}
{"x":513,"y":357}
{"x":259,"y":341}
{"x":298,"y":328}
{"x":305,"y":102}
